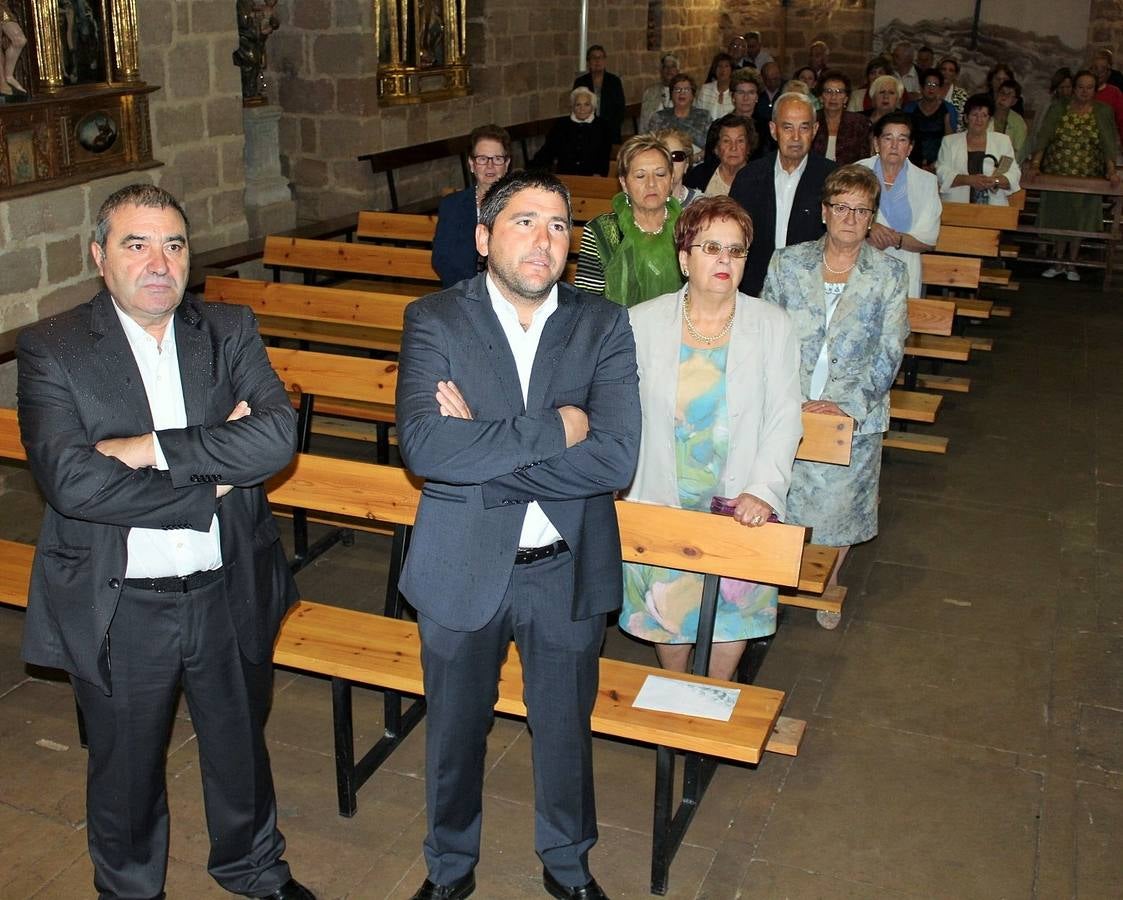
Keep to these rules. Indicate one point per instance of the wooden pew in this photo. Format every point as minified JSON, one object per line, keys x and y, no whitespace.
{"x":417,"y":228}
{"x":313,"y":257}
{"x":591,"y":186}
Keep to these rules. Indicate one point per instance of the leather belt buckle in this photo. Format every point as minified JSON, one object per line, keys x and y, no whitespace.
{"x":525,"y":555}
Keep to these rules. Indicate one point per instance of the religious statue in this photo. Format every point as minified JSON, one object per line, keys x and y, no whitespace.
{"x":12,"y":40}
{"x":256,"y":21}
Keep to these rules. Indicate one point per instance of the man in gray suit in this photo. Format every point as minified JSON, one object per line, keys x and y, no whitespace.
{"x":518,"y":403}
{"x":151,"y":420}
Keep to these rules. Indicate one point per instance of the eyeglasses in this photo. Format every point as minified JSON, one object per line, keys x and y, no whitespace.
{"x":683,"y":90}
{"x":932,"y":84}
{"x":715,"y":248}
{"x":841,"y":210}
{"x":834,"y":90}
{"x":494,"y":160}
{"x":678,"y":156}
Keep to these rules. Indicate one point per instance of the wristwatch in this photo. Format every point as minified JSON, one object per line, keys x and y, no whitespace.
{"x":900,"y":238}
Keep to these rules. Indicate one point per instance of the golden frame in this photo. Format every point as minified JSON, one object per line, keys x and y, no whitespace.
{"x":422,"y":48}
{"x":84,"y":125}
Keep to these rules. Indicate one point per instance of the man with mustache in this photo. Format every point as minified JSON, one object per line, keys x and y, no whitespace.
{"x":781,"y":190}
{"x":151,"y":420}
{"x":518,"y":404}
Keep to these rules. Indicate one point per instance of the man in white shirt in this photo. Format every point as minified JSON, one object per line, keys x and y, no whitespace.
{"x":781,"y":190}
{"x":756,"y":57}
{"x":658,"y":96}
{"x":518,"y":404}
{"x":150,"y":421}
{"x":902,"y":57}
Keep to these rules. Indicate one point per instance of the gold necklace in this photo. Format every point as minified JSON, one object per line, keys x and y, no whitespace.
{"x":694,"y":332}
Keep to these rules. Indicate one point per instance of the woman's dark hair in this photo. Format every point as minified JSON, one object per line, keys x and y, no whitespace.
{"x":977,"y":100}
{"x":853,"y":178}
{"x":1013,"y":85}
{"x":878,"y":62}
{"x":732,"y":120}
{"x":681,"y":78}
{"x":897,"y":118}
{"x":593,"y":49}
{"x":931,"y":73}
{"x":1083,"y":73}
{"x":705,"y":210}
{"x":492,"y":133}
{"x":801,"y":70}
{"x":994,"y":70}
{"x":1063,"y":74}
{"x":719,"y":58}
{"x":949,"y":59}
{"x":832,"y":75}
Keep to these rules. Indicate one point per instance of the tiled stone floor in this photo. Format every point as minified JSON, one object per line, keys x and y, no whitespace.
{"x":965,"y":723}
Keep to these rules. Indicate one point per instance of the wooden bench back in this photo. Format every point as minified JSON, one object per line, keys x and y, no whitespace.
{"x":359,"y":259}
{"x":973,"y":215}
{"x":586,"y":209}
{"x":392,"y":226}
{"x":368,"y":309}
{"x":592,"y":186}
{"x":937,"y":270}
{"x":10,"y":445}
{"x":395,"y":226}
{"x":657,"y":535}
{"x":968,"y":241}
{"x":930,"y":316}
{"x":335,"y":376}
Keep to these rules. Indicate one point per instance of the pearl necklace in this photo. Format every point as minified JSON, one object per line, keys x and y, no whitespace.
{"x":827,"y":266}
{"x":662,"y":225}
{"x":694,"y":332}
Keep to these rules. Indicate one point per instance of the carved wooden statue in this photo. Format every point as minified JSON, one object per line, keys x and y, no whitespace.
{"x":256,"y":21}
{"x":14,"y":40}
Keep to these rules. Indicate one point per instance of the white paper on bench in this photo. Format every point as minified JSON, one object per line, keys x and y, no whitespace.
{"x":687,"y":698}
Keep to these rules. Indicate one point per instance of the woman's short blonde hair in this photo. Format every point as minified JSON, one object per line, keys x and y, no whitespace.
{"x":852,"y":178}
{"x":883,"y":82}
{"x":636,"y":145}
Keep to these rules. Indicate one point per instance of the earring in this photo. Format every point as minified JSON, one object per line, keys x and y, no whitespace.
{"x":627,"y":199}
{"x":685,"y":274}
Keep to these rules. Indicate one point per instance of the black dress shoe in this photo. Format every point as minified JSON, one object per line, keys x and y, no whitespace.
{"x":555,"y":888}
{"x":462,"y":887}
{"x":291,"y":890}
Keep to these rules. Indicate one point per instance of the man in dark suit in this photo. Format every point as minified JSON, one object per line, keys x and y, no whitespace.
{"x":782,"y":191}
{"x":518,"y":403}
{"x":611,"y":103}
{"x":150,"y":421}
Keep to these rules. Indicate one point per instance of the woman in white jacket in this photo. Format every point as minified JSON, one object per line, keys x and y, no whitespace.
{"x":719,"y":388}
{"x":977,"y":165}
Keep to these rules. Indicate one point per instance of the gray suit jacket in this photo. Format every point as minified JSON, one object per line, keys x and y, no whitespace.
{"x":866,"y":337}
{"x":480,"y":472}
{"x":78,"y":384}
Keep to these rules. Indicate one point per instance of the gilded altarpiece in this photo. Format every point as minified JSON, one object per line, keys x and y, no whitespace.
{"x":82,"y":109}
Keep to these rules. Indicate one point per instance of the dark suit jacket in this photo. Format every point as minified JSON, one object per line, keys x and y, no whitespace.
{"x":755,"y":189}
{"x":479,"y":473}
{"x":853,"y":142}
{"x":613,"y":104}
{"x":79,"y":383}
{"x":454,"y":242}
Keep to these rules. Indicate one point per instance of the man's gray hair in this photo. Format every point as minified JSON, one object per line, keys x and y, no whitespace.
{"x":147,"y":195}
{"x":668,"y":59}
{"x":793,"y":97}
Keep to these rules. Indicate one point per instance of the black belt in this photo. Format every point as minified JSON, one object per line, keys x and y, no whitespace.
{"x":175,"y":584}
{"x":533,"y":554}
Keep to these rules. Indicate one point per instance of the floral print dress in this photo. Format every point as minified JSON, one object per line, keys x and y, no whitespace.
{"x":661,"y":605}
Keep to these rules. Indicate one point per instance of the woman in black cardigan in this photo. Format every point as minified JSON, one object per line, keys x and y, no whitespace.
{"x":578,"y":144}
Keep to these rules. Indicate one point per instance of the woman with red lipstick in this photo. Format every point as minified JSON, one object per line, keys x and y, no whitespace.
{"x":719,"y":390}
{"x":628,"y":255}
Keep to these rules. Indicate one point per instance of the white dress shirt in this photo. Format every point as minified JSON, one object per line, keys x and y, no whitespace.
{"x":785,"y":195}
{"x":155,"y":552}
{"x":538,"y":530}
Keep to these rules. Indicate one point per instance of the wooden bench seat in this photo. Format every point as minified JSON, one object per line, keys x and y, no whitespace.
{"x":914,"y":406}
{"x":15,"y":572}
{"x":917,"y":443}
{"x":925,"y":346}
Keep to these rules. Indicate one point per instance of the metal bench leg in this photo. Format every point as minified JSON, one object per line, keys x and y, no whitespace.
{"x":382,"y":443}
{"x":398,"y":549}
{"x":349,"y":774}
{"x":82,"y":739}
{"x":669,"y":828}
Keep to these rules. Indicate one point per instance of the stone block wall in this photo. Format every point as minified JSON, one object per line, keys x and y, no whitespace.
{"x":524,"y":60}
{"x":1105,"y":27}
{"x":185,"y":47}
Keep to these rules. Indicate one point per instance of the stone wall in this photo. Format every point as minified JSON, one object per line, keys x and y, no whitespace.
{"x":1105,"y":27}
{"x":197,"y":132}
{"x":524,"y":59}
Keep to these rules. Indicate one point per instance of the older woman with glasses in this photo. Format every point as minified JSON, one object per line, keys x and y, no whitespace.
{"x":628,"y":255}
{"x":932,"y":119}
{"x":683,"y":114}
{"x":842,"y":136}
{"x":719,"y":389}
{"x":454,"y":243}
{"x":848,"y":303}
{"x":908,"y":216}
